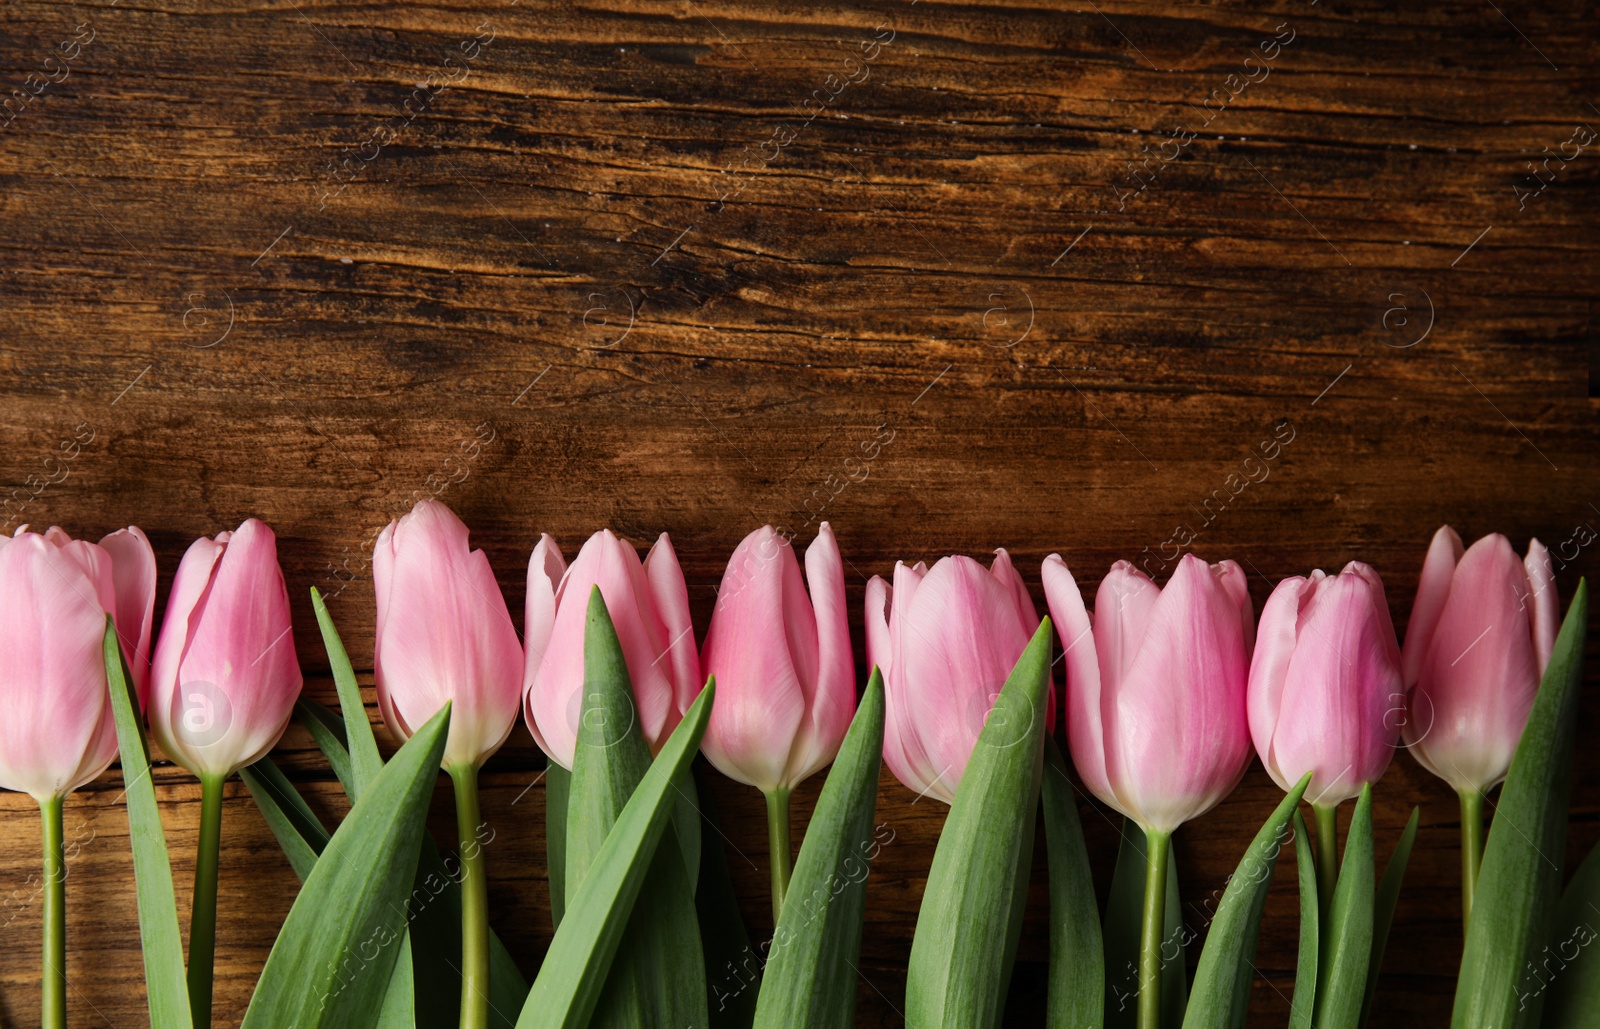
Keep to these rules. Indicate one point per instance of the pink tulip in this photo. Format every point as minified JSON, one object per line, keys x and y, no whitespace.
{"x":1325,"y":684}
{"x":1480,"y":635}
{"x":443,"y":635}
{"x":785,"y":674}
{"x":1156,"y":715}
{"x":224,"y":678}
{"x":945,"y":639}
{"x":56,"y":728}
{"x":649,"y":606}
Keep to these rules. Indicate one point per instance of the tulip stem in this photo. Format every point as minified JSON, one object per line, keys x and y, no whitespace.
{"x":1471,"y":850}
{"x":778,"y":843}
{"x":203,"y":913}
{"x":53,"y":1004}
{"x":1156,"y":849}
{"x":474,"y":901}
{"x":1327,"y":819}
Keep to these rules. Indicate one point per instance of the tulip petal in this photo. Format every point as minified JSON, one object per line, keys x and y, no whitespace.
{"x":545,"y":568}
{"x":1004,"y":571}
{"x":444,"y":635}
{"x":1123,"y":607}
{"x":1480,"y":673}
{"x":761,"y":700}
{"x":671,"y":596}
{"x":879,"y":648}
{"x":1433,"y":589}
{"x":1177,"y":737}
{"x":1006,"y":574}
{"x":133,"y":573}
{"x":55,"y":600}
{"x":190,"y":584}
{"x":1342,"y":680}
{"x":1085,"y":734}
{"x":240,"y":656}
{"x":961,"y":637}
{"x":832,"y":702}
{"x":1269,"y":667}
{"x":1544,"y":607}
{"x":903,"y":751}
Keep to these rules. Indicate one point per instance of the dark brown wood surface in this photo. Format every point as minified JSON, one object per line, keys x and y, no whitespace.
{"x":664,"y":266}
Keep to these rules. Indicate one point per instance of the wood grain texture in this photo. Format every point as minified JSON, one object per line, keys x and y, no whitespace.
{"x":665,"y":266}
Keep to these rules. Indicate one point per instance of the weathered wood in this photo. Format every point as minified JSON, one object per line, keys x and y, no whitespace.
{"x":616,"y":272}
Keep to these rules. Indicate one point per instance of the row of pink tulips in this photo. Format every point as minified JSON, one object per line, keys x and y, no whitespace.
{"x":1168,"y":690}
{"x":1165,"y":694}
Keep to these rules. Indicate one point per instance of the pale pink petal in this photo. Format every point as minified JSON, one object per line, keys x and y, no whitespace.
{"x":1269,"y":667}
{"x":444,"y":635}
{"x":761,"y":700}
{"x":53,"y":604}
{"x":1177,"y":733}
{"x":546,"y":566}
{"x":190,"y":584}
{"x":961,"y":638}
{"x":1085,"y":733}
{"x":833,"y":698}
{"x":1342,"y":681}
{"x":1123,"y":607}
{"x":670,"y":595}
{"x":1481,"y":673}
{"x":876,"y":618}
{"x":133,"y":572}
{"x":1433,"y":588}
{"x":1544,"y":606}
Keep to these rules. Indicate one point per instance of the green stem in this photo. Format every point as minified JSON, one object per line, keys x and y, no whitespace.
{"x":1471,"y":850}
{"x":1327,"y":856}
{"x":1156,"y":849}
{"x":778,"y":845}
{"x":53,"y":1005}
{"x":203,"y":915}
{"x":474,"y":902}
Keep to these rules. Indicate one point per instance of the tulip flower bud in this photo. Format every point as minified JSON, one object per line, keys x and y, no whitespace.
{"x":443,"y":635}
{"x":1325,"y":689}
{"x":1156,"y":716}
{"x":785,"y":674}
{"x":56,"y":727}
{"x":224,"y":677}
{"x":1481,"y":632}
{"x":945,"y":640}
{"x":649,"y":606}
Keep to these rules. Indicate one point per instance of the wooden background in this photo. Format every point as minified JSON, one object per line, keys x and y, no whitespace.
{"x":665,"y":266}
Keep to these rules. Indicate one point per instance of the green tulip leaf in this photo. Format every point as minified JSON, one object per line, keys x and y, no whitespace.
{"x":575,"y":969}
{"x":1342,"y":972}
{"x":363,"y":758}
{"x":326,"y":729}
{"x":733,"y":975}
{"x":1388,"y":899}
{"x":1120,"y":930}
{"x":1568,"y":966}
{"x":1077,"y":963}
{"x":971,"y":915}
{"x":166,"y":985}
{"x":1304,"y":1005}
{"x":334,"y":956}
{"x":295,"y":826}
{"x":658,"y":975}
{"x":1221,"y":994}
{"x":1519,"y":882}
{"x":426,"y":987}
{"x":429,"y":992}
{"x":557,"y":788}
{"x":810,"y":978}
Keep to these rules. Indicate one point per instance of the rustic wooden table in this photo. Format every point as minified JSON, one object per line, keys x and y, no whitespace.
{"x":666,"y":266}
